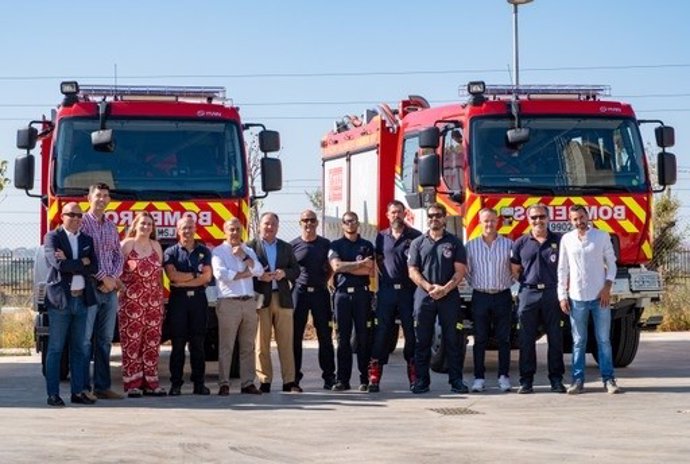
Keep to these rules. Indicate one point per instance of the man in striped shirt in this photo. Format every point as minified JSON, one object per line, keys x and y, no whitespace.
{"x":100,"y":321}
{"x":489,"y":275}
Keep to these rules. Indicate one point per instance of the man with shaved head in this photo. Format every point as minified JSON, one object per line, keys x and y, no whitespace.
{"x":188,"y":266}
{"x":71,"y":258}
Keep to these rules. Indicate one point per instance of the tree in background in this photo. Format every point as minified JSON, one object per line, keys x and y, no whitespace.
{"x":4,"y":181}
{"x":316,"y":199}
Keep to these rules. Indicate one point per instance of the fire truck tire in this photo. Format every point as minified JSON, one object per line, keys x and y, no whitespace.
{"x":625,"y":340}
{"x":437,"y":363}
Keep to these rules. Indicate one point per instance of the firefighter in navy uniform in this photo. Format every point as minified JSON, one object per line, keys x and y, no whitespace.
{"x":534,"y":262}
{"x":437,"y":265}
{"x":352,"y":260}
{"x":396,"y":293}
{"x":188,"y":266}
{"x":311,"y":294}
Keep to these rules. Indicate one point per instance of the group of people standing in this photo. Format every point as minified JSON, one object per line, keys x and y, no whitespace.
{"x":267,"y":287}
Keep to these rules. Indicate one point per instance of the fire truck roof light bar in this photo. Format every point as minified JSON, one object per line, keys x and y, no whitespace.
{"x":582,"y":91}
{"x":115,"y":91}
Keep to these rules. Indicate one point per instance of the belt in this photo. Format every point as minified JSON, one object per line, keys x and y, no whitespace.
{"x":490,"y":291}
{"x":76,"y":293}
{"x":309,"y":289}
{"x":353,"y":289}
{"x":538,"y":286}
{"x":189,"y":292}
{"x":241,"y":298}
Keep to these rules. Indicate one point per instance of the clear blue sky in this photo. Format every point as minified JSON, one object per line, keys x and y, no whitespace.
{"x":389,"y":49}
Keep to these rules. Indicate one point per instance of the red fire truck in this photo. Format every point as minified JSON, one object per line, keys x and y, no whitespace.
{"x":166,"y":150}
{"x":506,"y":148}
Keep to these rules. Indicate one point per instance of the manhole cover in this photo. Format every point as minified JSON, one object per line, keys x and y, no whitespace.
{"x":454,"y":411}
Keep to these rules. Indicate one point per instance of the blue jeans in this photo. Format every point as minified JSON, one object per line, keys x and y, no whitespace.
{"x":100,"y":325}
{"x":68,"y":322}
{"x":579,"y":319}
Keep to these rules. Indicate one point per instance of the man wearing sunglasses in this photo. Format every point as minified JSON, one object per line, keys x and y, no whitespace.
{"x":534,"y":261}
{"x":437,"y":264}
{"x":352,"y":260}
{"x":311,"y":294}
{"x":71,"y":258}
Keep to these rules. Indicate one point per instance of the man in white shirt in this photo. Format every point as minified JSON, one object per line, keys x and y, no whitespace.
{"x":586,"y":271}
{"x":489,"y":275}
{"x":234,"y":266}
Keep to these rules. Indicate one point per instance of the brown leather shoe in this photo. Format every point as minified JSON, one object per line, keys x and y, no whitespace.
{"x":108,"y":395}
{"x":250,"y":390}
{"x":224,"y":390}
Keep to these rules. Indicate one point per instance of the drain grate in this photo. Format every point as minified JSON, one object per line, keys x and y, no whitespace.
{"x":454,"y":411}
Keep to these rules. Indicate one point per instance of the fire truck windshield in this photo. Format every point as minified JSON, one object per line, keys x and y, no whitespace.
{"x":172,"y":159}
{"x":587,"y":154}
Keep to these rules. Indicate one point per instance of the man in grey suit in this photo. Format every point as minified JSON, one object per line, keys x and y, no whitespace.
{"x":71,"y":258}
{"x":274,"y":293}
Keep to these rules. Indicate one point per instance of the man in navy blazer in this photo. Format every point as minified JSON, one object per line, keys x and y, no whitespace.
{"x":275,"y":308}
{"x":71,"y":258}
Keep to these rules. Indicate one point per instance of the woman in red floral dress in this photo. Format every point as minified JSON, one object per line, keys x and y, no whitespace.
{"x":141,"y":308}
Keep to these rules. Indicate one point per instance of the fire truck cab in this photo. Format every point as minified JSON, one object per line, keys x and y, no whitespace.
{"x":507,"y":148}
{"x":167,"y":150}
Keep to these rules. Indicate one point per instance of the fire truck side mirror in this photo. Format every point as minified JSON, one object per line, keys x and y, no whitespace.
{"x":24,"y":172}
{"x":665,"y":136}
{"x":102,"y":140}
{"x":26,"y":138}
{"x":428,"y":170}
{"x":271,"y":174}
{"x":269,"y":141}
{"x":666,"y":168}
{"x":428,"y":138}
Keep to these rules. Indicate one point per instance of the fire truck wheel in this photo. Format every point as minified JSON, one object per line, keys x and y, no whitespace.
{"x":625,"y":339}
{"x":437,"y":363}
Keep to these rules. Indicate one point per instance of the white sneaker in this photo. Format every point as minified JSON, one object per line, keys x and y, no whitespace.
{"x":504,"y":383}
{"x":478,"y":385}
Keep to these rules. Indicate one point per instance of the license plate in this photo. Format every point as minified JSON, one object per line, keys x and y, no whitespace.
{"x":560,"y":226}
{"x":166,"y":232}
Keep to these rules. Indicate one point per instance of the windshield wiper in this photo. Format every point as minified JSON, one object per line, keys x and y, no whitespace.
{"x":124,"y":194}
{"x":595,"y":188}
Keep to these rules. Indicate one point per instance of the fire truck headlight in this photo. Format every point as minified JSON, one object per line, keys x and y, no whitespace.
{"x":69,"y":88}
{"x":476,"y":87}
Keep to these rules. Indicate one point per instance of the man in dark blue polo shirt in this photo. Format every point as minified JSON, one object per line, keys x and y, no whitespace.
{"x":188,"y":266}
{"x":352,"y":260}
{"x":396,"y":293}
{"x":534,"y":262}
{"x":437,"y":265}
{"x":311,"y":294}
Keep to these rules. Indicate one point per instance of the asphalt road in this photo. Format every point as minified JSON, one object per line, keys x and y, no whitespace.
{"x":648,"y":423}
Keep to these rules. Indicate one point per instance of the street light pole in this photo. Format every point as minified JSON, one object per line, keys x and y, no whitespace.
{"x":516,"y":58}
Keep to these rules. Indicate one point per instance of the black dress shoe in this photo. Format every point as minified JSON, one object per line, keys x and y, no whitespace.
{"x":558,"y":387}
{"x":201,"y":390}
{"x":224,"y":390}
{"x":525,"y":388}
{"x":175,"y":391}
{"x":81,"y":398}
{"x":341,"y":386}
{"x":328,"y":384}
{"x":55,"y":400}
{"x":265,"y":388}
{"x":292,"y":387}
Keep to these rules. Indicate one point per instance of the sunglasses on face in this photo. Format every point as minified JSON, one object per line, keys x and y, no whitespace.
{"x":538,"y":216}
{"x":73,"y":215}
{"x":349,"y":221}
{"x":308,"y":221}
{"x":434,"y":215}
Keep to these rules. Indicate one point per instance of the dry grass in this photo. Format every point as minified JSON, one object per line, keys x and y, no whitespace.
{"x":674,"y":307}
{"x":17,"y":329}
